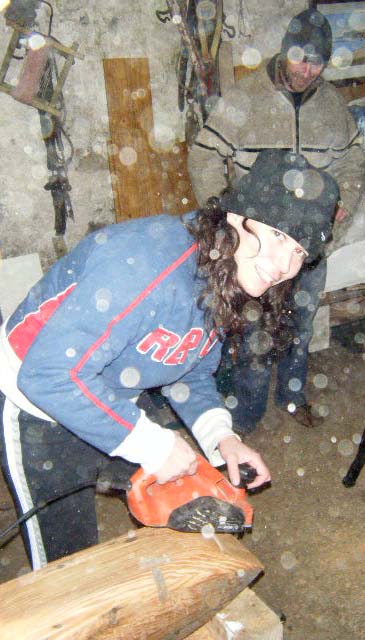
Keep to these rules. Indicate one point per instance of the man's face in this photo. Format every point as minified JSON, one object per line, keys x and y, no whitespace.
{"x":300,"y":75}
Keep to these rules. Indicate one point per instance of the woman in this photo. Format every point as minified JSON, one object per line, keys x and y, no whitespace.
{"x":137,"y":305}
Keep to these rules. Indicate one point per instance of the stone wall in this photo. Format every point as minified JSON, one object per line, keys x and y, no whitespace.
{"x":118,"y":29}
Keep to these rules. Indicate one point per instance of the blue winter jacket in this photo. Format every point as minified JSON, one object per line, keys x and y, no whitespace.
{"x":115,"y":316}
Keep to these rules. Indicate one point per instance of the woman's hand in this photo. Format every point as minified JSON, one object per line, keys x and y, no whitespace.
{"x":181,"y":462}
{"x":234,"y":453}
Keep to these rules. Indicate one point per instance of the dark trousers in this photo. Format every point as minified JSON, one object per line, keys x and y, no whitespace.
{"x":248,"y":380}
{"x":42,"y":460}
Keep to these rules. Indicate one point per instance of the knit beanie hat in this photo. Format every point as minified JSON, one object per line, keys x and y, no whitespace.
{"x":308,"y":37}
{"x":284,"y":191}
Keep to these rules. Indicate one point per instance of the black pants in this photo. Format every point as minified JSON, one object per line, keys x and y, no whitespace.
{"x":42,"y":460}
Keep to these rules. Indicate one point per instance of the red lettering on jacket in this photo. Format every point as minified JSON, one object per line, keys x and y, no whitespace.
{"x":209,"y":344}
{"x":161,"y":340}
{"x":189,"y":342}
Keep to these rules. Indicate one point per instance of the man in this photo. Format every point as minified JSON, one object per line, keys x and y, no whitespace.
{"x":287,"y":105}
{"x":134,"y":306}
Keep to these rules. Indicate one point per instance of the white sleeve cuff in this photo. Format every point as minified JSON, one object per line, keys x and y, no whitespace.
{"x":148,"y":445}
{"x":209,"y":429}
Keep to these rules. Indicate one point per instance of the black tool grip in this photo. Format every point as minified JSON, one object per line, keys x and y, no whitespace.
{"x":247,"y":474}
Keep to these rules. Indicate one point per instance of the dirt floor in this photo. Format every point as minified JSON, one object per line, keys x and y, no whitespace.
{"x":309,"y":529}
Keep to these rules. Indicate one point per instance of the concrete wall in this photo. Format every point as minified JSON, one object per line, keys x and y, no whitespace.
{"x":119,"y":29}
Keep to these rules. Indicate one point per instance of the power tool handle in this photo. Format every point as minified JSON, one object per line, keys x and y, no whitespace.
{"x":141,"y":481}
{"x":247,"y":474}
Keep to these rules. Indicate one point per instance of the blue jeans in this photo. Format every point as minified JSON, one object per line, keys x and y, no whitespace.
{"x":248,"y":380}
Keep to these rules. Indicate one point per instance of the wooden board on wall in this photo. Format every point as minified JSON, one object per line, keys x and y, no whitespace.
{"x":351,"y":90}
{"x":146,"y":178}
{"x":241,"y":71}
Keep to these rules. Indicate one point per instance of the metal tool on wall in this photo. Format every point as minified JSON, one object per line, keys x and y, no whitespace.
{"x":200,"y":24}
{"x":40,"y":85}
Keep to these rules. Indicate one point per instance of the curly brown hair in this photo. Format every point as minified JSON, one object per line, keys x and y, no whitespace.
{"x":223,"y":298}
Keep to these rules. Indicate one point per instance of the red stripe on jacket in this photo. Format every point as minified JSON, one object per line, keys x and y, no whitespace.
{"x":74,"y":373}
{"x":23,"y":334}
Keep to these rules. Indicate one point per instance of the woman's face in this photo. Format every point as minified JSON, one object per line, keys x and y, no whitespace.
{"x":264,"y":257}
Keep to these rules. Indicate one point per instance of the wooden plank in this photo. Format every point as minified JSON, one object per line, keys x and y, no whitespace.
{"x":147,"y":178}
{"x":352,"y":91}
{"x":241,"y":71}
{"x":152,"y":584}
{"x":245,"y":618}
{"x":346,"y":305}
{"x":347,"y":311}
{"x":342,"y":295}
{"x":176,"y":191}
{"x":129,"y":101}
{"x":204,"y":633}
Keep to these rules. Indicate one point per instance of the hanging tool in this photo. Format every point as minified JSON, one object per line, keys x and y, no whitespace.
{"x":53,"y":132}
{"x":200,"y":24}
{"x":190,"y":502}
{"x":40,"y":85}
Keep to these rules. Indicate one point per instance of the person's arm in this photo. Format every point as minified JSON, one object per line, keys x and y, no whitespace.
{"x":206,"y":165}
{"x":196,"y":400}
{"x":348,"y":167}
{"x":215,"y":144}
{"x":62,"y":373}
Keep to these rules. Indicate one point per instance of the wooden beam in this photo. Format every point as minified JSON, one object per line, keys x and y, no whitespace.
{"x":147,"y":178}
{"x":135,"y":172}
{"x":245,"y":618}
{"x":342,"y":295}
{"x":152,"y":584}
{"x":241,"y":71}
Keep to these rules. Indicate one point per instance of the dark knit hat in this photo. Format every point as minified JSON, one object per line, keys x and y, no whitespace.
{"x":284,"y":191}
{"x":308,"y":37}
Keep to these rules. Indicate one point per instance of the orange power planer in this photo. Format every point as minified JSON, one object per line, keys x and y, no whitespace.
{"x":189,"y":503}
